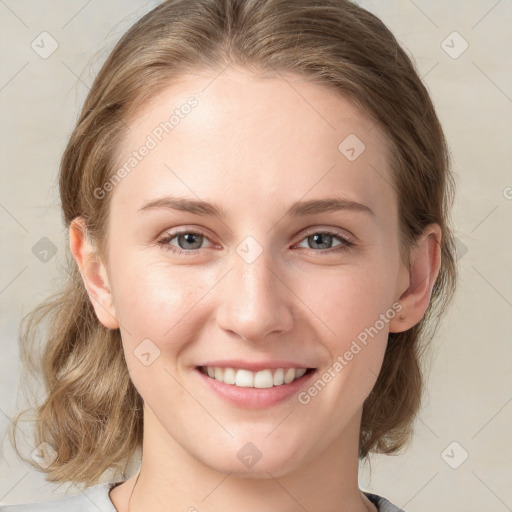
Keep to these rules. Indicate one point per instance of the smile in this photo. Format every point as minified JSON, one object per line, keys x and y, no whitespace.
{"x":262,"y":379}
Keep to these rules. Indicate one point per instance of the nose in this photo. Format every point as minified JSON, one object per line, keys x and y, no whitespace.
{"x":255,"y":300}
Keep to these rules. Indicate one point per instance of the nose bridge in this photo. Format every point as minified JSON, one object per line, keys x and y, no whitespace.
{"x":255,"y":302}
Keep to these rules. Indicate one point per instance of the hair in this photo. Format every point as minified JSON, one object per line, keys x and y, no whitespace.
{"x":92,"y":414}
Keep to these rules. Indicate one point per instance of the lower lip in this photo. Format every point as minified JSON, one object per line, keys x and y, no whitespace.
{"x":255,"y":398}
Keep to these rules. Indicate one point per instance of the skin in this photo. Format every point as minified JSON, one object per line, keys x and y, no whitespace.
{"x":254,"y":145}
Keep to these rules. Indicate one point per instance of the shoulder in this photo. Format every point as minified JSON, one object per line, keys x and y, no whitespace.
{"x":91,"y":500}
{"x":382,"y":504}
{"x":97,"y":498}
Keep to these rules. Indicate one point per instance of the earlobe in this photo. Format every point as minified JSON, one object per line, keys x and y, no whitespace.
{"x":425,"y":262}
{"x":93,"y":272}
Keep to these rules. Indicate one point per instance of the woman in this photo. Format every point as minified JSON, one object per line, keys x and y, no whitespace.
{"x":257,"y":196}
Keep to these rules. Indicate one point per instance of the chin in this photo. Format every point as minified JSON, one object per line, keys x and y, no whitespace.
{"x":256,"y":460}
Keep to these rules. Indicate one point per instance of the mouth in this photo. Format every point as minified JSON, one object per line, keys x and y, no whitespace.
{"x":262,"y":379}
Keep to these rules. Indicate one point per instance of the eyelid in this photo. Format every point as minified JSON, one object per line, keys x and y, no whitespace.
{"x":349,"y":237}
{"x":310,"y":231}
{"x":167,"y":236}
{"x":164,"y":240}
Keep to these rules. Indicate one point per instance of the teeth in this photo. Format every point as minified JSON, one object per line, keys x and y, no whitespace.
{"x":244,"y":378}
{"x":289,"y":375}
{"x":263,"y":379}
{"x":229,"y":376}
{"x":247,"y":379}
{"x":279,"y":377}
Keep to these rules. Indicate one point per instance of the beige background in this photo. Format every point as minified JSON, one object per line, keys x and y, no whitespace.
{"x":468,"y":407}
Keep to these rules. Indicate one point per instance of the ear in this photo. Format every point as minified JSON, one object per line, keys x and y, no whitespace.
{"x":418,"y":280}
{"x":93,"y":273}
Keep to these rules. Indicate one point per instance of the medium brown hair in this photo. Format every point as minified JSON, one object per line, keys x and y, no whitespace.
{"x":92,"y":413}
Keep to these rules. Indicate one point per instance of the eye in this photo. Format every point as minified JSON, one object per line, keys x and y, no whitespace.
{"x":187,"y":241}
{"x":324,"y":239}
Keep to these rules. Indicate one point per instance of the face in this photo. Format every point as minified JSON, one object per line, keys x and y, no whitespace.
{"x":269,"y":278}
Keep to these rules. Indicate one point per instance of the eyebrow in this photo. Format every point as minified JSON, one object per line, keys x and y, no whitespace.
{"x":298,"y":209}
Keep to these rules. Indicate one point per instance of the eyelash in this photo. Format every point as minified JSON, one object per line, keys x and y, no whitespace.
{"x":165,"y":242}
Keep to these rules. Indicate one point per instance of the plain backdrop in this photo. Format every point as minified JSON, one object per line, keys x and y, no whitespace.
{"x":460,"y":458}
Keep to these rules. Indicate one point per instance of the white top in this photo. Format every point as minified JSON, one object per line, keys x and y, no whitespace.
{"x":97,"y":499}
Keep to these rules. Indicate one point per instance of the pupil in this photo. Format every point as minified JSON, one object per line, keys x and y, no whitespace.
{"x":320,"y":236}
{"x":189,"y":238}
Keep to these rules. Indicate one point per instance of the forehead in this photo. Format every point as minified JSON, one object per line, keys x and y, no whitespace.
{"x":220,"y":135}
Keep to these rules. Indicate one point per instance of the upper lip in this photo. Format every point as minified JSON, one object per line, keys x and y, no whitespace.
{"x":253,"y":365}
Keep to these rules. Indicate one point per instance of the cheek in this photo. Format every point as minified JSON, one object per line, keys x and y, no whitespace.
{"x":355,"y":308}
{"x":152,"y":296}
{"x":349,"y":300}
{"x":355,"y":337}
{"x":157,"y":310}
